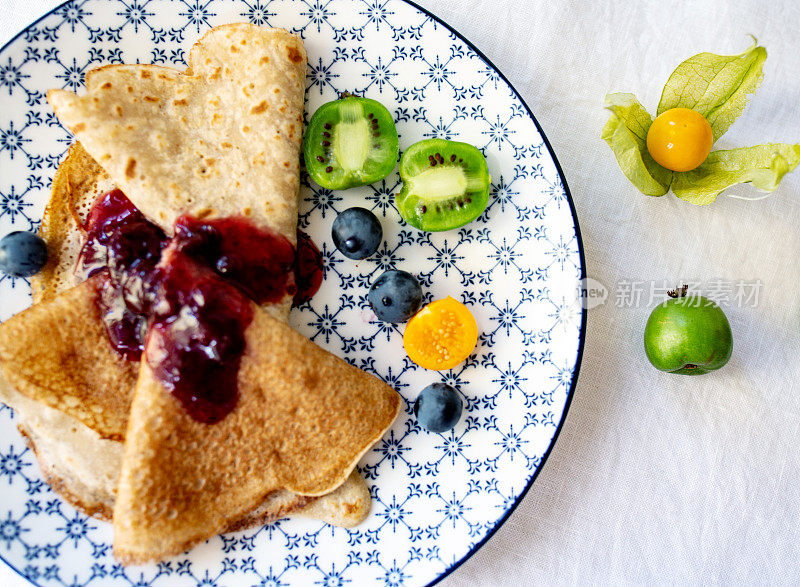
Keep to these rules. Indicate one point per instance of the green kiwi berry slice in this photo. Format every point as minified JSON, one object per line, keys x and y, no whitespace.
{"x":445,"y":185}
{"x":350,"y":142}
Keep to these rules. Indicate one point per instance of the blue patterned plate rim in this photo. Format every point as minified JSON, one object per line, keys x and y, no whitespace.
{"x":573,"y":212}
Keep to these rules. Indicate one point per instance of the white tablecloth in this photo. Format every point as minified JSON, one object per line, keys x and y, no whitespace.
{"x":656,"y":478}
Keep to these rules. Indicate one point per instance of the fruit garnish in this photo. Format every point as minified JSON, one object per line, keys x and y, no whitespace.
{"x":688,"y":334}
{"x":395,"y":296}
{"x":680,"y":139}
{"x":22,"y":254}
{"x":438,"y":407}
{"x":357,"y":233}
{"x":350,"y":142}
{"x":715,"y":87}
{"x":445,"y":185}
{"x":441,"y":335}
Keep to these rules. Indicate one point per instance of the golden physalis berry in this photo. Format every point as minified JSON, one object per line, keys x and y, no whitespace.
{"x":680,"y":139}
{"x":441,"y":335}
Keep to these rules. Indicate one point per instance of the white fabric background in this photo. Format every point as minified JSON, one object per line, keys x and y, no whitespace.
{"x":656,"y":478}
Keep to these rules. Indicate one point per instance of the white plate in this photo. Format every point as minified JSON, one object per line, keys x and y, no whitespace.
{"x":437,"y":498}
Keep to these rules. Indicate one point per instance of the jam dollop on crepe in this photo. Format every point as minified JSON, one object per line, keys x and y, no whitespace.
{"x":196,"y":338}
{"x":124,"y":249}
{"x":194,"y":299}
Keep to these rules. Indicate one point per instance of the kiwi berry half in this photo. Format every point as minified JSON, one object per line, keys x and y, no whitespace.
{"x":445,"y":184}
{"x":350,"y":142}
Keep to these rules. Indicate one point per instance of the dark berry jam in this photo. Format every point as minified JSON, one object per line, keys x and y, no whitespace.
{"x":259,"y":262}
{"x":193,"y":293}
{"x":308,"y":271}
{"x":197,"y":335}
{"x":123,"y":246}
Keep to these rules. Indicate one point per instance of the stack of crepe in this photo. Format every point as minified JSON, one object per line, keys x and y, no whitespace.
{"x":218,"y":140}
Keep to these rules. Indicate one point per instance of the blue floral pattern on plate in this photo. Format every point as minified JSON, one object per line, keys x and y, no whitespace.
{"x":436,"y":497}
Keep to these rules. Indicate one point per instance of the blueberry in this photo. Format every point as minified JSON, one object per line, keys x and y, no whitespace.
{"x":22,"y":254}
{"x":357,"y":233}
{"x":438,"y":407}
{"x":395,"y":296}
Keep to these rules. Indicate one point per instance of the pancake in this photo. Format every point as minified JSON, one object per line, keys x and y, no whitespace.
{"x":77,"y":183}
{"x":77,"y":460}
{"x":228,"y":127}
{"x":83,"y":468}
{"x":266,"y":207}
{"x":302,"y":420}
{"x":57,"y":352}
{"x":222,"y":140}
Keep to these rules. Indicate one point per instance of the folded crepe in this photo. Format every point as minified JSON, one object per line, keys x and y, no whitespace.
{"x":222,"y":139}
{"x":303,"y":420}
{"x":59,"y":346}
{"x":219,"y":139}
{"x":57,"y":352}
